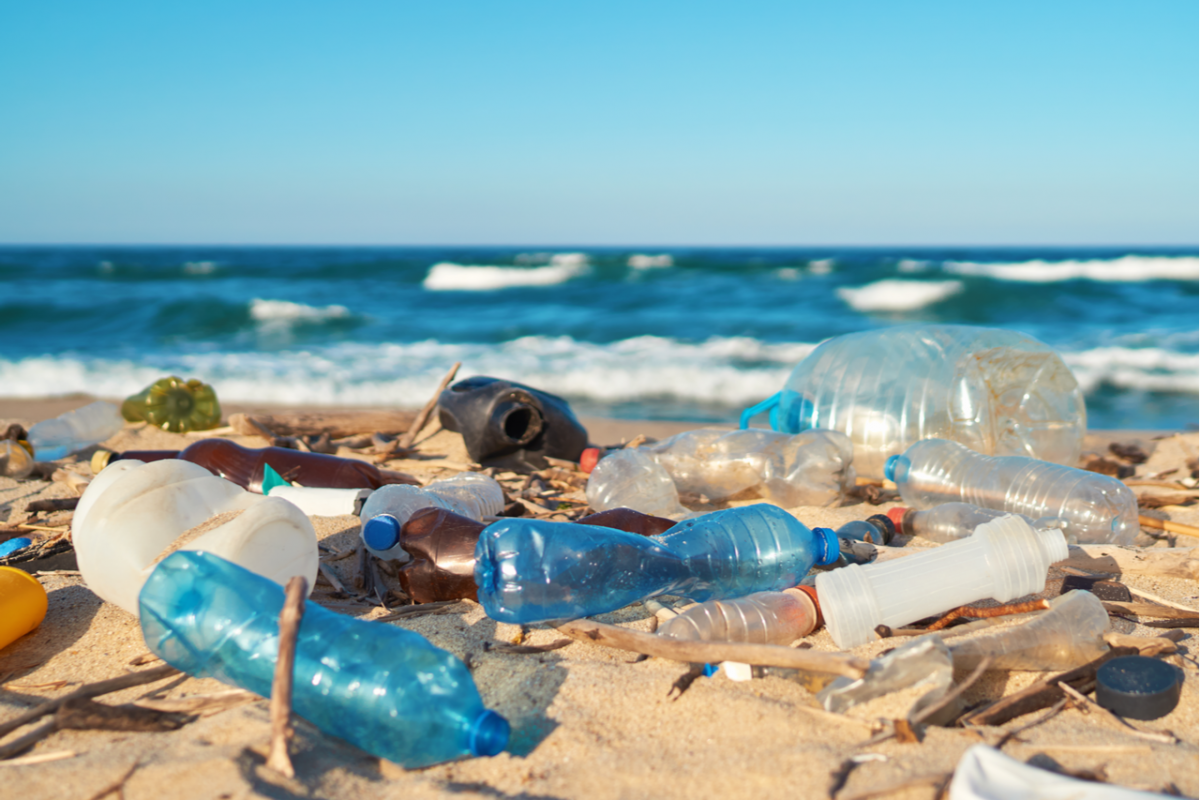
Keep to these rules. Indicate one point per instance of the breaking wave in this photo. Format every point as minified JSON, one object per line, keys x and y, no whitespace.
{"x":448,"y":276}
{"x":1124,"y":269}
{"x":897,"y":295}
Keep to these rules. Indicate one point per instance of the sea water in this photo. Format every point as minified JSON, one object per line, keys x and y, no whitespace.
{"x":656,"y":333}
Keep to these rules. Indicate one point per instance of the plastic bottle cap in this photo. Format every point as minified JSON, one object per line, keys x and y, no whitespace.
{"x":13,"y":545}
{"x":589,"y":458}
{"x":100,"y":460}
{"x":489,"y":734}
{"x":832,"y":547}
{"x":1138,"y":687}
{"x":889,"y":469}
{"x":381,"y":532}
{"x":896,"y":515}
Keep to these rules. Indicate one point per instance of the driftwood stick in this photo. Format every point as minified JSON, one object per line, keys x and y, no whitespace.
{"x":1172,"y":562}
{"x":1168,"y":526}
{"x":23,"y":743}
{"x":1145,"y":645}
{"x":767,"y":655}
{"x":1089,"y":704}
{"x":285,"y":667}
{"x":987,"y":613}
{"x":410,"y":435}
{"x":89,"y":690}
{"x":1150,"y":610}
{"x":337,"y":424}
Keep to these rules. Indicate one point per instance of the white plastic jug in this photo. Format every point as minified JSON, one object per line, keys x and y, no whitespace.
{"x":134,"y":514}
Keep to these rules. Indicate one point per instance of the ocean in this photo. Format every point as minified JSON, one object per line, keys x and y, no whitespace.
{"x":648,"y":333}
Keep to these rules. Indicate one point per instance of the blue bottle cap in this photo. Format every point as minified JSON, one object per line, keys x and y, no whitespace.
{"x":13,"y":545}
{"x":889,"y":469}
{"x":489,"y":734}
{"x":381,"y":532}
{"x":829,"y":548}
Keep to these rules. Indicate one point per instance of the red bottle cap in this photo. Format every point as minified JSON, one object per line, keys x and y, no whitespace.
{"x":896,"y":515}
{"x":588,"y":459}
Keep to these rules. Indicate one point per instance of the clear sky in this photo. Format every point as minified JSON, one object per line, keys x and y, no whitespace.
{"x":405,"y":122}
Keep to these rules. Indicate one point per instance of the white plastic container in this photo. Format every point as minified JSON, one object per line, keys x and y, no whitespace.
{"x":807,"y":469}
{"x":134,"y":514}
{"x":320,"y":502}
{"x":1094,"y":508}
{"x":632,"y":479}
{"x":54,"y":438}
{"x":389,"y":507}
{"x":996,"y":391}
{"x":1004,"y":559}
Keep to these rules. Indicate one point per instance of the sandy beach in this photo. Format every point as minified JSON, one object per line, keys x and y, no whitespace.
{"x":588,"y":721}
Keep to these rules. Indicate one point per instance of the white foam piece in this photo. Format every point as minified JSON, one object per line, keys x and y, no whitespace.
{"x":448,"y":276}
{"x":1124,"y":269}
{"x":898,"y":295}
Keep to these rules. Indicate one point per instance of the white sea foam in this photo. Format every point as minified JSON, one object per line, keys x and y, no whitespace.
{"x":894,"y":295}
{"x":200,"y":267}
{"x":822,"y":266}
{"x":1149,"y":369}
{"x":1124,"y":269}
{"x":448,"y":276}
{"x":284,"y":310}
{"x":639,"y":261}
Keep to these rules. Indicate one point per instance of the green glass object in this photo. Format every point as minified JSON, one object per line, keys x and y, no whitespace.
{"x":174,"y":404}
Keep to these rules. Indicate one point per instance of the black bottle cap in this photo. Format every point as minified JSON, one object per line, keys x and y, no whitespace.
{"x":1138,"y":687}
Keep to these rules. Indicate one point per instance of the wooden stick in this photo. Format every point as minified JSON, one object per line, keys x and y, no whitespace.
{"x":1145,"y":645}
{"x":987,"y":613}
{"x":406,"y":440}
{"x":767,"y":655}
{"x":23,"y":743}
{"x":1172,"y":562}
{"x":944,"y":701}
{"x":1088,"y":703}
{"x":285,"y":667}
{"x":40,"y":758}
{"x":1168,"y":526}
{"x":337,"y":424}
{"x":1149,"y":610}
{"x":89,"y":690}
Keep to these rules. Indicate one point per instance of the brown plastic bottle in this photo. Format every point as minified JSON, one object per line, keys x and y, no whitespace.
{"x":244,"y":466}
{"x":442,"y":546}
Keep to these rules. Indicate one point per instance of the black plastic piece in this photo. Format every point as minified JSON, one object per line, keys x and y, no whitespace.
{"x":502,"y":421}
{"x":887,"y":528}
{"x":1109,"y":591}
{"x":1138,"y":687}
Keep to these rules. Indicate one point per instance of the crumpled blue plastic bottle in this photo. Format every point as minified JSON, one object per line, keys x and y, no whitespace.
{"x":535,"y":570}
{"x":382,"y":688}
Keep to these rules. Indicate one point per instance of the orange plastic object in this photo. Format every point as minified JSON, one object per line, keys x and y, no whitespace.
{"x":22,"y":604}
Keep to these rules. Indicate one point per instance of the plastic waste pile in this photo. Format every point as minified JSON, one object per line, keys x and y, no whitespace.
{"x":387,"y":510}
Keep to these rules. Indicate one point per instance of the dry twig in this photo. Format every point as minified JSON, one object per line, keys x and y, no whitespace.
{"x":985,"y":613}
{"x":285,"y":667}
{"x":1088,"y":703}
{"x":405,"y":441}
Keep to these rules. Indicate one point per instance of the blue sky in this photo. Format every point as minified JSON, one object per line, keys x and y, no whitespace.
{"x":605,"y":123}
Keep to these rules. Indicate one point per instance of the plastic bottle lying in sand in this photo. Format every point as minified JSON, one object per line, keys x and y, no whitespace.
{"x":380,"y":687}
{"x":534,"y":570}
{"x":1094,"y":508}
{"x":132,"y":515}
{"x":1069,"y":634}
{"x":16,"y":461}
{"x":23,"y":604}
{"x":924,"y":661}
{"x":246,"y":467}
{"x":809,"y":469}
{"x":386,"y":511}
{"x":1004,"y":559}
{"x":995,"y":391}
{"x":760,"y":618}
{"x":174,"y":404}
{"x":632,"y":479}
{"x":52,"y":439}
{"x":946,"y":522}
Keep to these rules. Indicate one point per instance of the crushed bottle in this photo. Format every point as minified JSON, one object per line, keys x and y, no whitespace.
{"x":534,"y":570}
{"x":1004,"y":559}
{"x":380,"y":687}
{"x":996,"y":391}
{"x":632,"y":479}
{"x":387,"y":510}
{"x":759,"y":618}
{"x":1093,"y":508}
{"x":1069,"y":634}
{"x":52,"y":439}
{"x":924,"y":661}
{"x":174,"y":404}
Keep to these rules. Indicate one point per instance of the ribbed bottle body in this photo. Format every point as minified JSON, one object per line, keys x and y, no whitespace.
{"x":995,"y":391}
{"x":760,"y":618}
{"x":477,"y":495}
{"x":382,"y":688}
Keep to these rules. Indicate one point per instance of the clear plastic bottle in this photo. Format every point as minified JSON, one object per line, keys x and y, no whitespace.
{"x":759,"y":618}
{"x":996,"y":391}
{"x":52,"y":439}
{"x":808,"y":469}
{"x":380,"y":687}
{"x":1094,"y":508}
{"x":1004,"y":559}
{"x":1069,"y":634}
{"x":385,"y":512}
{"x":632,"y":479}
{"x":174,"y":404}
{"x":533,"y":570}
{"x":947,"y":522}
{"x":924,"y":661}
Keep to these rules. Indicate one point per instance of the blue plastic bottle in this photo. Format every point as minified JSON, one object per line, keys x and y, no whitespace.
{"x":382,"y":688}
{"x":535,"y":570}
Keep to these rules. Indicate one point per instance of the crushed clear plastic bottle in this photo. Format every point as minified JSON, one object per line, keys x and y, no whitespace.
{"x":385,"y":512}
{"x":759,"y":618}
{"x":808,"y":469}
{"x":996,"y":391}
{"x":1069,"y":634}
{"x":534,"y":570}
{"x":632,"y":479}
{"x":1093,"y":508}
{"x":52,"y":439}
{"x":946,"y":522}
{"x":380,"y":687}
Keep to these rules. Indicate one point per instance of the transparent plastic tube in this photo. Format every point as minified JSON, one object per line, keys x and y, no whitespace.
{"x":533,"y":570}
{"x":1094,"y":508}
{"x":1004,"y":559}
{"x":1069,"y":634}
{"x":947,"y":522}
{"x":760,"y":618}
{"x":809,"y":469}
{"x":632,"y":479}
{"x":995,"y":391}
{"x":52,"y":439}
{"x":382,"y":688}
{"x":388,"y":508}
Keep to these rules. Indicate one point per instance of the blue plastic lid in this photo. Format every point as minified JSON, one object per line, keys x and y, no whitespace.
{"x":381,"y":532}
{"x":889,"y":469}
{"x":711,"y":669}
{"x":489,"y":734}
{"x":13,"y":545}
{"x":828,"y":546}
